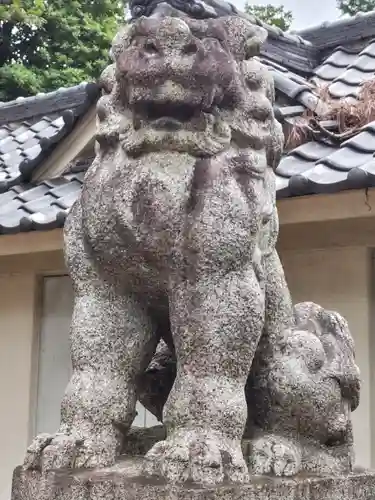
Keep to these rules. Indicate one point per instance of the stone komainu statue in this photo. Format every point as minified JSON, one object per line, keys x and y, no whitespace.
{"x":173,"y":238}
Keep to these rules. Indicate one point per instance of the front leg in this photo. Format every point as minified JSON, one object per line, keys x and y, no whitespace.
{"x":216,"y":324}
{"x":109,"y":337}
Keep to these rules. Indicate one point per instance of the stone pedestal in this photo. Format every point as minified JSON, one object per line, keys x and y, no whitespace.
{"x":124,"y":481}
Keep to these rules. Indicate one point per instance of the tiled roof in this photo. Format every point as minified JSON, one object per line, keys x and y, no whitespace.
{"x":323,"y":167}
{"x":42,"y":206}
{"x":345,"y":70}
{"x":294,"y":94}
{"x":344,"y":31}
{"x":31,"y":127}
{"x":290,"y":51}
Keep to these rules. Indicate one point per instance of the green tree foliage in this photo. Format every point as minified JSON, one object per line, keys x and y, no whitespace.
{"x":271,"y":14}
{"x":47,"y":44}
{"x":352,"y":7}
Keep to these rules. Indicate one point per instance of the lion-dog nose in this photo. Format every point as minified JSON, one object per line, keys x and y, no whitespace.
{"x":161,"y":49}
{"x":174,"y":44}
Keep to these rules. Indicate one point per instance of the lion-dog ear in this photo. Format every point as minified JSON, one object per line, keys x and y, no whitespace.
{"x":244,"y":38}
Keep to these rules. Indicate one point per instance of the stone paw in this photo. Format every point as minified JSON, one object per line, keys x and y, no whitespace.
{"x":275,"y":455}
{"x":201,"y":457}
{"x":62,"y":451}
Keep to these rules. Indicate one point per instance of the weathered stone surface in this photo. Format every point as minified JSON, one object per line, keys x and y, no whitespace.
{"x":300,"y":396}
{"x":174,"y":237}
{"x":139,"y":441}
{"x":124,"y":481}
{"x":192,"y":8}
{"x":176,"y":216}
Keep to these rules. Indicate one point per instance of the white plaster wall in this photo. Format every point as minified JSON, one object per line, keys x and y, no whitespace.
{"x":17,"y":295}
{"x":54,"y":366}
{"x":54,"y":355}
{"x":339,"y":278}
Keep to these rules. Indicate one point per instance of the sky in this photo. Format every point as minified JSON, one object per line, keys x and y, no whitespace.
{"x":306,"y":13}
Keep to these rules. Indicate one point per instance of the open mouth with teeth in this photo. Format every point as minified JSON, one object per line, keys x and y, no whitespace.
{"x":175,"y":112}
{"x":167,"y":115}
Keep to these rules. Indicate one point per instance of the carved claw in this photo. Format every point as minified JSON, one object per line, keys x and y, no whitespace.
{"x":62,"y":451}
{"x":275,"y":455}
{"x":198,"y":457}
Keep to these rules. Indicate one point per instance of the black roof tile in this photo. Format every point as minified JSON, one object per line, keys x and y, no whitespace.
{"x":78,"y":176}
{"x":323,"y":179}
{"x":31,"y":127}
{"x":55,"y":182}
{"x":346,"y":158}
{"x":38,"y":207}
{"x":293,"y":165}
{"x":370,"y":127}
{"x":33,"y":152}
{"x":363,"y":142}
{"x":48,"y":132}
{"x":343,"y":72}
{"x":40,"y":125}
{"x":7,"y":144}
{"x":20,"y":188}
{"x":303,"y":158}
{"x":67,"y":201}
{"x":7,"y":197}
{"x":282,"y":186}
{"x":19,"y":131}
{"x":66,"y":189}
{"x":342,"y":90}
{"x":12,"y":222}
{"x":47,"y":221}
{"x":288,"y":53}
{"x":369,"y":49}
{"x":4,"y":132}
{"x":315,"y":167}
{"x":353,"y":77}
{"x":314,"y":150}
{"x":40,"y":204}
{"x":288,"y":49}
{"x":33,"y":193}
{"x":294,"y":87}
{"x":369,"y":169}
{"x":30,"y":144}
{"x":73,"y":98}
{"x":327,"y":73}
{"x":11,"y":206}
{"x":341,"y":58}
{"x":365,"y":63}
{"x":344,"y":31}
{"x":284,"y":112}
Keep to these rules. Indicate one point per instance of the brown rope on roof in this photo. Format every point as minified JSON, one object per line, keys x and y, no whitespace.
{"x":346,"y":116}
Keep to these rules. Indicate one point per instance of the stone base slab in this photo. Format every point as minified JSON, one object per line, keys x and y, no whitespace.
{"x":124,"y":481}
